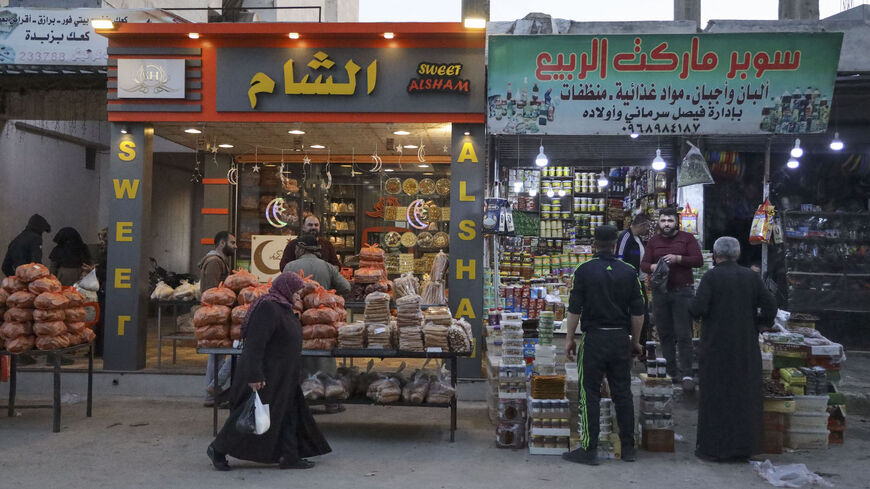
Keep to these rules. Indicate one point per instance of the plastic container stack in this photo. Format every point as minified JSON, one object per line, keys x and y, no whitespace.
{"x":807,"y":426}
{"x":656,"y":413}
{"x":550,"y":427}
{"x":511,"y":430}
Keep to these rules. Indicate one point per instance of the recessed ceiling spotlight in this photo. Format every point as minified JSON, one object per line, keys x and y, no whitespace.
{"x":410,"y":146}
{"x":193,"y":131}
{"x":296,"y":131}
{"x":293,"y":35}
{"x":193,"y":35}
{"x":317,"y":146}
{"x":401,"y":133}
{"x":225,"y":145}
{"x":389,"y":35}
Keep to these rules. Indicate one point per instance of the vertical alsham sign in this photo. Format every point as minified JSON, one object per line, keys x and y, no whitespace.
{"x":466,"y":240}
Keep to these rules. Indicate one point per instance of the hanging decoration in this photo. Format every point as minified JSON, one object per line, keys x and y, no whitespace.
{"x":421,"y":152}
{"x":378,"y":161}
{"x":275,"y":210}
{"x":233,"y":173}
{"x":196,"y":177}
{"x":256,"y":168}
{"x":328,"y":183}
{"x":416,"y":214}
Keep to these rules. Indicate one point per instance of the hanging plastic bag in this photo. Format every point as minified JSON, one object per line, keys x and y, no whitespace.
{"x":90,"y":282}
{"x":762,"y":225}
{"x":693,"y":169}
{"x":492,"y":214}
{"x":689,"y":220}
{"x":261,"y":415}
{"x":247,"y":422}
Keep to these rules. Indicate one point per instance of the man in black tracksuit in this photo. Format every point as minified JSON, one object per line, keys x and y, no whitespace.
{"x":606,"y":292}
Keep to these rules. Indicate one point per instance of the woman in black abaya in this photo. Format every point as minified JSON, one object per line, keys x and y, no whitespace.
{"x":270,"y":365}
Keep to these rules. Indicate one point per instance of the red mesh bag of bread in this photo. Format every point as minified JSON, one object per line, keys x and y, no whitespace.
{"x":75,"y":326}
{"x":4,"y":294}
{"x":13,"y":284}
{"x":239,"y":279}
{"x":45,"y":284}
{"x":18,"y":315}
{"x":239,"y":313}
{"x":52,"y":328}
{"x":225,"y":343}
{"x":319,"y":344}
{"x":31,"y":271}
{"x":208,"y":314}
{"x":212,"y":332}
{"x":23,"y":299}
{"x":371,"y":252}
{"x":71,"y":338}
{"x":75,"y":314}
{"x":20,"y":344}
{"x":249,"y":294}
{"x":236,"y":332}
{"x":75,"y":297}
{"x":320,"y":297}
{"x":45,"y":315}
{"x":310,"y":284}
{"x":52,"y":342}
{"x":219,"y":296}
{"x":321,"y":315}
{"x":315,"y":331}
{"x":50,"y":300}
{"x":367,"y":275}
{"x":88,"y":335}
{"x":12,"y":329}
{"x":380,"y":265}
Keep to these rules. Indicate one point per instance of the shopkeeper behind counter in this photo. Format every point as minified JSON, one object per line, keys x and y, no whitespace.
{"x":311,"y":225}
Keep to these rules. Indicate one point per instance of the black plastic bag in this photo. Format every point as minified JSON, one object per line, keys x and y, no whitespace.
{"x":659,"y":278}
{"x":247,"y":422}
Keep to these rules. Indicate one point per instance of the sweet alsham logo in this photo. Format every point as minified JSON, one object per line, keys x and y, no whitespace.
{"x":151,"y":78}
{"x":439,"y":77}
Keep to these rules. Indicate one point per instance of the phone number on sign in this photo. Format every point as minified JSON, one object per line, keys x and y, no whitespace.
{"x":79,"y":56}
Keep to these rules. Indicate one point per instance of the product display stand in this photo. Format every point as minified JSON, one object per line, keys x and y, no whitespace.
{"x":176,"y":335}
{"x":55,"y":356}
{"x":453,"y":357}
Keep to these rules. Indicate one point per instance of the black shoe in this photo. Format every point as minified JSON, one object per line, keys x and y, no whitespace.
{"x":299,"y":464}
{"x":219,"y":460}
{"x":707,"y":458}
{"x":582,"y":456}
{"x":629,"y":454}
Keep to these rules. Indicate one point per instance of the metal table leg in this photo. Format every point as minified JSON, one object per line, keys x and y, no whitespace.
{"x":56,"y":357}
{"x":217,"y":392}
{"x":159,"y":335}
{"x":90,"y":380}
{"x":13,"y":383}
{"x":453,"y":374}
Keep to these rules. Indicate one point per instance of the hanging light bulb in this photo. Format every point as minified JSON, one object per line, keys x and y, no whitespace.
{"x":837,"y":143}
{"x":518,"y":186}
{"x":561,"y":192}
{"x":634,"y":135}
{"x":533,"y":192}
{"x":541,"y":159}
{"x":797,"y":151}
{"x":550,"y":193}
{"x":793,"y":163}
{"x":659,"y":163}
{"x":602,"y":180}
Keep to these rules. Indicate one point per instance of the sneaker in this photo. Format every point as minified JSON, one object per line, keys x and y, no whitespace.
{"x":218,"y":460}
{"x":582,"y":456}
{"x":688,"y":385}
{"x":629,"y":454}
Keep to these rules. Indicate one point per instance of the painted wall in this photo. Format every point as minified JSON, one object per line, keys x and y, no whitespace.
{"x":171,"y":201}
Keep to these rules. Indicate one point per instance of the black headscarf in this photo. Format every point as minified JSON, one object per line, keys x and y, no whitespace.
{"x":71,"y":251}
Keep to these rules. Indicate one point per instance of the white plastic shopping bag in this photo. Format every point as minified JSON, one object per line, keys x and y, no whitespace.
{"x":261,"y":415}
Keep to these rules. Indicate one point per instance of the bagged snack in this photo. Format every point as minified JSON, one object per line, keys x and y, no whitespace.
{"x":75,"y":327}
{"x":251,"y":293}
{"x":435,"y":336}
{"x":11,"y":329}
{"x":75,"y":297}
{"x":693,"y":169}
{"x":333,"y":389}
{"x":20,"y":344}
{"x":411,"y":339}
{"x":440,"y":390}
{"x":52,"y":328}
{"x":208,"y":314}
{"x":371,"y":253}
{"x":407,"y":284}
{"x":319,"y":344}
{"x":13,"y":284}
{"x":312,"y":388}
{"x":377,"y":309}
{"x":18,"y":315}
{"x":239,"y":313}
{"x":87,"y":335}
{"x":385,"y":391}
{"x":457,"y":340}
{"x":439,"y":266}
{"x":433,"y":293}
{"x":184,"y":292}
{"x":219,"y":296}
{"x":50,"y":300}
{"x":378,"y":335}
{"x":75,"y":314}
{"x":321,"y":315}
{"x":320,"y":297}
{"x":23,"y":299}
{"x":162,"y":292}
{"x":349,"y":378}
{"x":317,"y":331}
{"x":52,"y":342}
{"x":310,"y":284}
{"x":236,"y":332}
{"x":239,"y":279}
{"x":761,"y":229}
{"x":416,"y":390}
{"x":31,"y":271}
{"x":368,"y":275}
{"x":352,"y":335}
{"x":48,"y":314}
{"x":212,"y":332}
{"x":45,"y":284}
{"x":224,"y":343}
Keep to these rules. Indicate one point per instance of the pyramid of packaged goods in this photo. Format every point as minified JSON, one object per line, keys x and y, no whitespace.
{"x":372,"y":268}
{"x":212,"y":320}
{"x":352,"y":336}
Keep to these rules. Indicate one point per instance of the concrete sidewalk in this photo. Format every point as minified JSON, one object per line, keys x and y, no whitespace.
{"x":140,"y":443}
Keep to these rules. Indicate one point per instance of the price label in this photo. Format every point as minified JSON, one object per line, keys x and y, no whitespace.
{"x":433,"y":349}
{"x":380,"y":330}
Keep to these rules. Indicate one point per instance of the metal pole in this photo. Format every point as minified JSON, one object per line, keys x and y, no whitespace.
{"x":56,"y":358}
{"x":765,"y":196}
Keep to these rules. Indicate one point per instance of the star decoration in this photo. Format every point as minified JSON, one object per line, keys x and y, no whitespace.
{"x":306,"y":160}
{"x":446,"y":148}
{"x":256,"y":168}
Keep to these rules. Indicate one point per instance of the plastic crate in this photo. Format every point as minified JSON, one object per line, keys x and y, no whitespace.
{"x":806,"y":439}
{"x":653,"y":440}
{"x":786,"y":406}
{"x":807,"y":421}
{"x":811,"y":404}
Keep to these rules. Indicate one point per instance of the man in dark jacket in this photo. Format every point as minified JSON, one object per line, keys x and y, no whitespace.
{"x":311,"y":225}
{"x":27,"y":246}
{"x":630,"y":249}
{"x":214,"y":269}
{"x":728,"y":302}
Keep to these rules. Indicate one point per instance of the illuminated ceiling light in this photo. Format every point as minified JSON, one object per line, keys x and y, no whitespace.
{"x":602,"y":180}
{"x":561,"y":192}
{"x":659,"y":163}
{"x":837,"y":143}
{"x":634,"y":135}
{"x":468,"y":133}
{"x":123,"y":131}
{"x":296,"y":131}
{"x":518,"y":186}
{"x":475,"y":23}
{"x":226,"y":146}
{"x":102,"y":24}
{"x":401,"y":133}
{"x":317,"y":146}
{"x":541,"y":159}
{"x":389,"y":35}
{"x":193,"y":131}
{"x":410,"y":146}
{"x":793,"y":163}
{"x":193,"y":35}
{"x":533,"y":192}
{"x":428,"y":173}
{"x":293,"y":35}
{"x":797,"y":151}
{"x":347,"y":166}
{"x":550,"y":193}
{"x":389,"y":169}
{"x":423,"y":165}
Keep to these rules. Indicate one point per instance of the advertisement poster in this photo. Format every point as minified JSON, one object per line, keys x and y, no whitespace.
{"x":779,"y":83}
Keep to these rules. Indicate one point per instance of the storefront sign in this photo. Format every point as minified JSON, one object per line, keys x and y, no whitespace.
{"x":350,"y":79}
{"x":662,"y":84}
{"x":35,"y":36}
{"x":266,"y":253}
{"x":466,"y":235}
{"x":150,"y":78}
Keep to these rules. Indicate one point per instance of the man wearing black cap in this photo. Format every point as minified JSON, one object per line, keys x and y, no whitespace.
{"x":606,"y":292}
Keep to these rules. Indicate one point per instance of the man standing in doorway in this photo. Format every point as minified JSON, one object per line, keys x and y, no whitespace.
{"x":607,"y":294}
{"x":311,"y":225}
{"x":630,"y":249}
{"x":214,"y":269}
{"x":681,"y":252}
{"x":728,"y":302}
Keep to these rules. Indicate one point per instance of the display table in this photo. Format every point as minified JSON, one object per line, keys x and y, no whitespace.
{"x":55,"y":356}
{"x":175,"y":336}
{"x":453,"y":357}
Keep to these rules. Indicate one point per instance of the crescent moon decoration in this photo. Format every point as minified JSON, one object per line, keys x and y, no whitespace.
{"x":258,"y":259}
{"x":273,"y":210}
{"x":413,"y":217}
